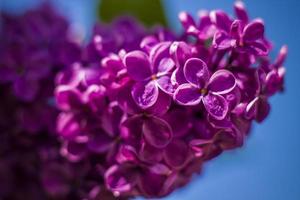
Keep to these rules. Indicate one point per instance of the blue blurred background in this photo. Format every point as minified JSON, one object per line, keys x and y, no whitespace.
{"x":267,"y":167}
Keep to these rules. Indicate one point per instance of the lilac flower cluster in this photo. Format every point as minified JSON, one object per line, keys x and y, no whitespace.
{"x":30,"y":56}
{"x":150,"y":115}
{"x":134,"y":112}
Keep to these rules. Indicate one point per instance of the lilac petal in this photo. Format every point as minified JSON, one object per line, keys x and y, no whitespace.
{"x":260,"y":79}
{"x":240,"y":11}
{"x":157,"y":55}
{"x":157,"y":132}
{"x":151,"y":183}
{"x":199,"y":143}
{"x":205,"y":21}
{"x":131,"y":130}
{"x":91,"y":76}
{"x":162,"y":104}
{"x":126,"y":153}
{"x":111,"y":155}
{"x":148,"y":42}
{"x":67,"y":97}
{"x":274,"y":82}
{"x":145,"y":94}
{"x":188,"y":23}
{"x":222,"y":82}
{"x":222,"y":41}
{"x":111,"y":118}
{"x":160,"y":169}
{"x":200,"y":146}
{"x":196,"y":72}
{"x":120,"y":178}
{"x":235,"y":30}
{"x":258,"y":48}
{"x":229,"y":139}
{"x":187,"y":94}
{"x":216,"y":105}
{"x":177,"y":77}
{"x":176,"y":153}
{"x":94,"y":96}
{"x":165,"y":84}
{"x":150,"y":154}
{"x":280,"y":58}
{"x":99,"y":143}
{"x":222,"y":20}
{"x":99,"y":192}
{"x":67,"y":126}
{"x":254,"y":31}
{"x":258,"y":109}
{"x":224,"y":123}
{"x":251,"y":109}
{"x":138,"y":65}
{"x":241,"y":124}
{"x":186,"y":19}
{"x":233,"y":98}
{"x":166,"y":65}
{"x":239,"y":110}
{"x":170,"y":184}
{"x":180,"y":52}
{"x":25,"y":89}
{"x":126,"y":101}
{"x":248,"y":83}
{"x":74,"y":151}
{"x":112,"y":61}
{"x":71,"y":76}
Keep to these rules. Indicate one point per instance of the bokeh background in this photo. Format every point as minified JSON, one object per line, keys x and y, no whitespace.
{"x":268,"y":166}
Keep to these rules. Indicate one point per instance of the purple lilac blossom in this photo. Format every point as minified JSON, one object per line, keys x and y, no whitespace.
{"x":150,"y":116}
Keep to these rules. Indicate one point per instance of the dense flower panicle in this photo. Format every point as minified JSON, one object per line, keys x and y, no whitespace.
{"x":151,"y":115}
{"x":134,"y":112}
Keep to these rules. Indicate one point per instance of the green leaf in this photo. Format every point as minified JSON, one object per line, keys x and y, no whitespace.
{"x":149,"y":12}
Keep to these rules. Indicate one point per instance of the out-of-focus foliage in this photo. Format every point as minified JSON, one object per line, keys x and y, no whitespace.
{"x":150,"y":12}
